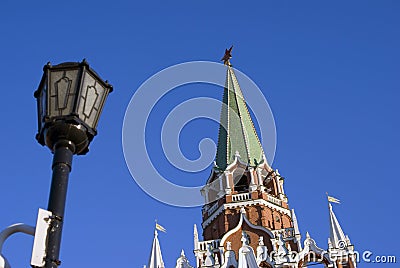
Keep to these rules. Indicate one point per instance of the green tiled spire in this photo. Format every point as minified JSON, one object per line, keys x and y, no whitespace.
{"x":236,"y":132}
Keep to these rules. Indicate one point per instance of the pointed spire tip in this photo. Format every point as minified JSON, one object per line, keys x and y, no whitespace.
{"x":227,"y":56}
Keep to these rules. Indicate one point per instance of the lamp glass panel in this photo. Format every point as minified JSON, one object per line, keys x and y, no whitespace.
{"x":63,"y":87}
{"x":90,"y":100}
{"x":42,"y":104}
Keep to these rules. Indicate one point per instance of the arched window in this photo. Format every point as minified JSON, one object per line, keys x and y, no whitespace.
{"x":242,"y":185}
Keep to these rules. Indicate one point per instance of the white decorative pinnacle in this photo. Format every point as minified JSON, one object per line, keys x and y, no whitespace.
{"x":242,"y":210}
{"x":244,"y":239}
{"x":195,"y":237}
{"x":228,"y":245}
{"x":261,"y":241}
{"x":282,"y":250}
{"x":295,"y":223}
{"x":237,"y":154}
{"x":209,"y":261}
{"x":337,"y":237}
{"x":262,"y":251}
{"x":229,"y":257}
{"x":311,"y":246}
{"x":156,"y":260}
{"x":182,"y":261}
{"x":246,"y":258}
{"x":216,"y":260}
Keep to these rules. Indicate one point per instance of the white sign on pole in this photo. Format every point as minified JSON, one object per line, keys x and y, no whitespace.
{"x":39,"y":243}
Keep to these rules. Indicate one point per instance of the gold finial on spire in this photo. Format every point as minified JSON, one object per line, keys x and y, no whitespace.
{"x":227,"y":56}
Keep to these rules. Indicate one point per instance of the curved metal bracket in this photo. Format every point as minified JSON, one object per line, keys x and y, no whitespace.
{"x":10,"y":230}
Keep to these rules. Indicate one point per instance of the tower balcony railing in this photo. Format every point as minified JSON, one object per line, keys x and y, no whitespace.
{"x":212,"y":208}
{"x":274,"y":200}
{"x":286,"y":232}
{"x":241,"y":197}
{"x":247,"y":196}
{"x":204,"y":244}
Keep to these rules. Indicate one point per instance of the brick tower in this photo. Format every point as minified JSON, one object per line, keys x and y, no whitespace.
{"x":246,"y":219}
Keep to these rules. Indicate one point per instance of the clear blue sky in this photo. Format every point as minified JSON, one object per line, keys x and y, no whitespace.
{"x":330,"y":71}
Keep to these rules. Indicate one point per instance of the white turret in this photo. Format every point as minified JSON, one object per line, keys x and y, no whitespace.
{"x":297,"y":234}
{"x":230,"y":259}
{"x":262,"y":251}
{"x":195,"y":237}
{"x":339,"y":245}
{"x":337,"y":237}
{"x":247,"y":257}
{"x":155,"y":260}
{"x":182,"y":261}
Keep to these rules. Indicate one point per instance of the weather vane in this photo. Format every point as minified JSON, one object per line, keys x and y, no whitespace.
{"x":227,"y":56}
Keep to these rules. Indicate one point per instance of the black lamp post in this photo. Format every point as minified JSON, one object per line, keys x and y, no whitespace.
{"x":70,"y":99}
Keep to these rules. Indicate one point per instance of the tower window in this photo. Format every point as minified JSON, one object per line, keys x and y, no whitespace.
{"x":242,"y":185}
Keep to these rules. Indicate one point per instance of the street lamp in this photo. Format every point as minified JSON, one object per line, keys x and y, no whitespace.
{"x":70,"y":99}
